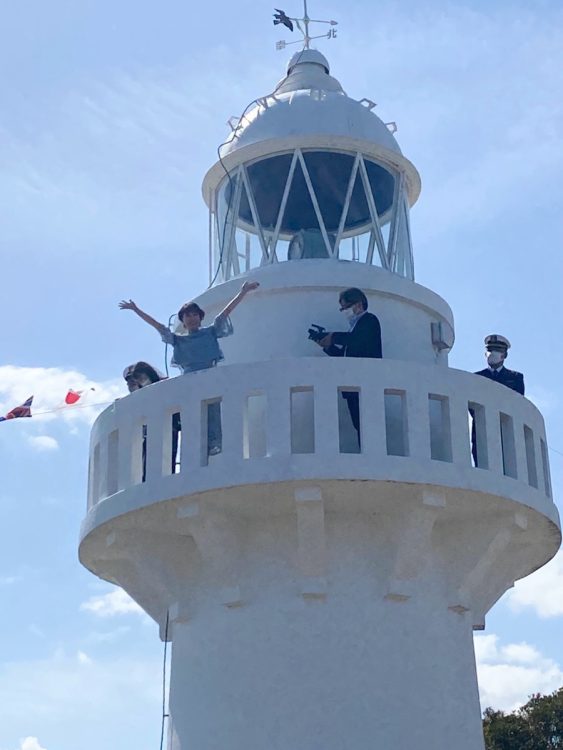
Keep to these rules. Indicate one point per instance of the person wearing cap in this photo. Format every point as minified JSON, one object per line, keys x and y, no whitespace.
{"x":362,"y":339}
{"x":140,"y":374}
{"x":496,"y":351}
{"x":197,"y":348}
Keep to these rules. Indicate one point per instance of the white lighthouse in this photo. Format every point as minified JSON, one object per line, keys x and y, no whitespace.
{"x":319,"y":594}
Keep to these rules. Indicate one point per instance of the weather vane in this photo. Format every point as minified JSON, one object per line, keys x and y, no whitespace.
{"x":302,"y":24}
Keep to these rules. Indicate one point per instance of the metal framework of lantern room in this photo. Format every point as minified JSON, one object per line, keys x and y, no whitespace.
{"x":239,"y":243}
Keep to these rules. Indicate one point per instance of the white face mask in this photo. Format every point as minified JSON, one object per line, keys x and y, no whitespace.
{"x":494,"y":359}
{"x":348,"y":313}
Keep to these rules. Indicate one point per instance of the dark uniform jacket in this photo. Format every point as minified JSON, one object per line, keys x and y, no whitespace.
{"x":364,"y":340}
{"x":509,"y":378}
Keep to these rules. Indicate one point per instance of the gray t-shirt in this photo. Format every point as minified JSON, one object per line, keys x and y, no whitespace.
{"x":198,"y":350}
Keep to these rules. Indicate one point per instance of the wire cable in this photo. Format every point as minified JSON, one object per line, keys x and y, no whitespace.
{"x":164,"y":712}
{"x":166,"y":347}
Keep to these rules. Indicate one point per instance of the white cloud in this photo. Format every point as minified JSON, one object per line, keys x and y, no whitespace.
{"x":36,"y":631}
{"x":9,"y":580}
{"x":96,"y":637}
{"x":509,"y":675}
{"x":88,"y":699}
{"x":115,"y":602}
{"x":31,"y":743}
{"x":542,"y":591}
{"x":43,"y":443}
{"x":83,"y":658}
{"x":49,"y":386}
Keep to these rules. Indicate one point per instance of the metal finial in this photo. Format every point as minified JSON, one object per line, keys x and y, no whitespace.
{"x":302,"y":24}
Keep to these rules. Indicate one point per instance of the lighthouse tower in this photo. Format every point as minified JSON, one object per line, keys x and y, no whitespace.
{"x":320,"y":594}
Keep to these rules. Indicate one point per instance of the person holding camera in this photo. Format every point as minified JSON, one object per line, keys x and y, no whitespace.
{"x":362,"y":339}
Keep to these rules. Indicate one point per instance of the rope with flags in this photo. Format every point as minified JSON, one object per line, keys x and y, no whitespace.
{"x":71,"y":399}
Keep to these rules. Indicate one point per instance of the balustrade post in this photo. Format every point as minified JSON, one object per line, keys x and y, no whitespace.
{"x":154,"y":453}
{"x":103,"y":467}
{"x":327,"y":440}
{"x":520,"y":450}
{"x":192,"y":449}
{"x":232,"y":421}
{"x":372,"y":420}
{"x":459,"y":429}
{"x":418,"y":422}
{"x":494,"y":445}
{"x":278,"y":420}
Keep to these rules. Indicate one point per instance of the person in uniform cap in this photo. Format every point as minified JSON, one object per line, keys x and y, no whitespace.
{"x":496,"y":351}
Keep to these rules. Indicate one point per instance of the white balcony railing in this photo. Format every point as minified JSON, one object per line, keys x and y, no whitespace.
{"x":285,"y":420}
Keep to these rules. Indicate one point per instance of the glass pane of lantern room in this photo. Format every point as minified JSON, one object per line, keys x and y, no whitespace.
{"x":330,"y":174}
{"x":382,"y":185}
{"x":300,"y":223}
{"x":358,"y":210}
{"x":299,"y":211}
{"x":402,"y":263}
{"x":248,"y":236}
{"x":267,"y":180}
{"x":357,"y":220}
{"x":225,"y":200}
{"x":227,"y":212}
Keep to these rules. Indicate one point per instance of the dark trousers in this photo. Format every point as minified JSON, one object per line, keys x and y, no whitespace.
{"x":176,"y":427}
{"x":353,"y":400}
{"x":473,"y":438}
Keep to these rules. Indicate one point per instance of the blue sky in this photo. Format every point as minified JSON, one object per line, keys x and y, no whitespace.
{"x":111,"y":114}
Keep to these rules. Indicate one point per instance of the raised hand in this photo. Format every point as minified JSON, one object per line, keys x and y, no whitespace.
{"x":128,"y":304}
{"x":249,"y":286}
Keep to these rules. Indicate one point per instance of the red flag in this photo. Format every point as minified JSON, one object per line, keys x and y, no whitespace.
{"x":19,"y":411}
{"x":72,"y":397}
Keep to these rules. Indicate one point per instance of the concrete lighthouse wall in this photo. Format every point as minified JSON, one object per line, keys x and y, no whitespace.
{"x":272,"y":322}
{"x":352,"y":671}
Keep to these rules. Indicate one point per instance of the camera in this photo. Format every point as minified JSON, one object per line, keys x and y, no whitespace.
{"x":316,"y":333}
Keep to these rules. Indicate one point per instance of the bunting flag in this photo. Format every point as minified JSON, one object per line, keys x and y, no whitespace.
{"x":72,"y":397}
{"x":19,"y":411}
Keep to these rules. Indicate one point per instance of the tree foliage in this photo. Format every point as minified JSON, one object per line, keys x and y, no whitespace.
{"x":538,"y":725}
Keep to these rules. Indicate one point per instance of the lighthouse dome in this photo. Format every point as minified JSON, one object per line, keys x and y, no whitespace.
{"x":309,"y":101}
{"x":309,"y":172}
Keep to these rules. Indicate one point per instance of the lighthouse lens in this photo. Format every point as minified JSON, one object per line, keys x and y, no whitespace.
{"x":328,"y":175}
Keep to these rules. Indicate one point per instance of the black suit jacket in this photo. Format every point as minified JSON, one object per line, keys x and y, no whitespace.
{"x":509,"y":378}
{"x":364,"y":340}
